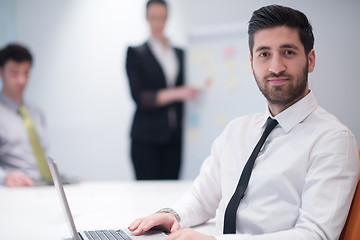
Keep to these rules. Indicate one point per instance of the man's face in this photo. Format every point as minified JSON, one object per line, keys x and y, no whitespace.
{"x":280,"y":65}
{"x":156,"y":16}
{"x":15,"y":76}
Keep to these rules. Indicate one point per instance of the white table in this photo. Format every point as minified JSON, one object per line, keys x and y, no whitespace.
{"x":35,"y":213}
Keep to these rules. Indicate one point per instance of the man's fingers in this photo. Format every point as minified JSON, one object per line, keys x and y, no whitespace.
{"x":18,"y":179}
{"x":13,"y":182}
{"x":164,"y":221}
{"x":175,"y":227}
{"x":135,"y":224}
{"x":27,"y":181}
{"x":10,"y":182}
{"x":141,"y":228}
{"x":174,"y":235}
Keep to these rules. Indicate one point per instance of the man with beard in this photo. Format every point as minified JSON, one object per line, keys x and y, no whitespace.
{"x":300,"y":178}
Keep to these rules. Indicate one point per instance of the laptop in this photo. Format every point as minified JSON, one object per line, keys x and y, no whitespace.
{"x":120,"y":234}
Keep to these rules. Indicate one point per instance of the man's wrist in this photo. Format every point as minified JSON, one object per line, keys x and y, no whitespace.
{"x":171,"y":211}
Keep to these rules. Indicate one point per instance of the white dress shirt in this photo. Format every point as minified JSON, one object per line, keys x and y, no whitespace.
{"x":301,"y":185}
{"x":166,"y":56}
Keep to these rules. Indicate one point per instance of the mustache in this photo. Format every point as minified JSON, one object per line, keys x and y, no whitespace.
{"x":281,"y":74}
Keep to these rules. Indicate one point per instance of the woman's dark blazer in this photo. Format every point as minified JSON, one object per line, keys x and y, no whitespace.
{"x":146,"y":77}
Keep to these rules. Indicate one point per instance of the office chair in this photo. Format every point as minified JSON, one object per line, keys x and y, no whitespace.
{"x":351,"y":230}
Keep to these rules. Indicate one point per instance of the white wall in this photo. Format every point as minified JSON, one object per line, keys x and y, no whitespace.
{"x":7,"y":13}
{"x":79,"y":78}
{"x":6,"y":23}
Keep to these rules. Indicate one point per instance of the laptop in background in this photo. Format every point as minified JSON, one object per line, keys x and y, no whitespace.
{"x":121,"y":234}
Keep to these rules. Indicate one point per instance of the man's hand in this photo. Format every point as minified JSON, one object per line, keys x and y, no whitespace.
{"x":165,"y":221}
{"x":18,"y":179}
{"x":188,"y":234}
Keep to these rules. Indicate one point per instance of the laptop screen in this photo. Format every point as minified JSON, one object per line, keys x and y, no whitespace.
{"x":64,"y":203}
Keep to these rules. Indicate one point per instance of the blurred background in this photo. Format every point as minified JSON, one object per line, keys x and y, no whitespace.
{"x":78,"y":78}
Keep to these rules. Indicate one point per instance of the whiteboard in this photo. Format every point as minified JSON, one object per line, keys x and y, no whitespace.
{"x":217,"y":63}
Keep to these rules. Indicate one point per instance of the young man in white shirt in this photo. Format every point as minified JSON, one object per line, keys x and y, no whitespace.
{"x":304,"y":176}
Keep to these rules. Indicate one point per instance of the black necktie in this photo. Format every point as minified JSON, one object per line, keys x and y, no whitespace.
{"x":231,"y":209}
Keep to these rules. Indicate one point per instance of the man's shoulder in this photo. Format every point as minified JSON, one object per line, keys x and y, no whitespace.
{"x":4,"y":109}
{"x":327,"y":121}
{"x":2,"y":105}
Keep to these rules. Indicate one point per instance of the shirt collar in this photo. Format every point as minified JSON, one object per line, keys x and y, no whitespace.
{"x":9,"y":102}
{"x":296,"y":113}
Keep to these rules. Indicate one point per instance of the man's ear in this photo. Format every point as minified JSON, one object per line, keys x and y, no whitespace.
{"x":311,"y":60}
{"x":250,"y":58}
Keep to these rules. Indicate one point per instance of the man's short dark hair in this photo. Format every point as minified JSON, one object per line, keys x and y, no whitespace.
{"x":15,"y":52}
{"x":276,"y":15}
{"x":155,"y":1}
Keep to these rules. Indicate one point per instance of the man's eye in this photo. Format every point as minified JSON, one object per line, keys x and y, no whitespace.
{"x":289,"y":52}
{"x":264,"y":54}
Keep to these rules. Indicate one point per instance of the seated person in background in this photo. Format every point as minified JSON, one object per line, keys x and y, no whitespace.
{"x":305,"y":173}
{"x":22,"y":156}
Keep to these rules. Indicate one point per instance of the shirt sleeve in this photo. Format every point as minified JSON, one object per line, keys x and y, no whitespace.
{"x":144,"y":98}
{"x":330,"y":184}
{"x":199,"y":204}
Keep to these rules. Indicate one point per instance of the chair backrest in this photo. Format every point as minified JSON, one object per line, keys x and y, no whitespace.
{"x":351,"y":230}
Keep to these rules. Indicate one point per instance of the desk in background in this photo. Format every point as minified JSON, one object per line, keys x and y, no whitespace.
{"x":35,"y":213}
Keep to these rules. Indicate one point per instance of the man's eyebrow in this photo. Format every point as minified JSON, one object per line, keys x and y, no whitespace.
{"x":261,"y":48}
{"x":291,"y":46}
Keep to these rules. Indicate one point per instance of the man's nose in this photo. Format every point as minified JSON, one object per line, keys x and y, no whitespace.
{"x":22,"y":78}
{"x":277,"y":64}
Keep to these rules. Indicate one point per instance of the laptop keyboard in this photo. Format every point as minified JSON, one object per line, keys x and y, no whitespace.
{"x":107,"y":235}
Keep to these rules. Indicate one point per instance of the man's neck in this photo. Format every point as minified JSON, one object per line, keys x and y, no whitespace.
{"x":17,"y":99}
{"x":275,"y":109}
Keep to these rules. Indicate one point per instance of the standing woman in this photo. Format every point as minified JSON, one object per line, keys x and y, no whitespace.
{"x":156,"y":76}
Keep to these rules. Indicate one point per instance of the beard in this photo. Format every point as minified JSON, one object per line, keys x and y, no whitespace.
{"x":284,"y":95}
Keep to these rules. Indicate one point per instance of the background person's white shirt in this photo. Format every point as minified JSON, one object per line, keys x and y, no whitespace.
{"x":302,"y":183}
{"x":166,"y":56}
